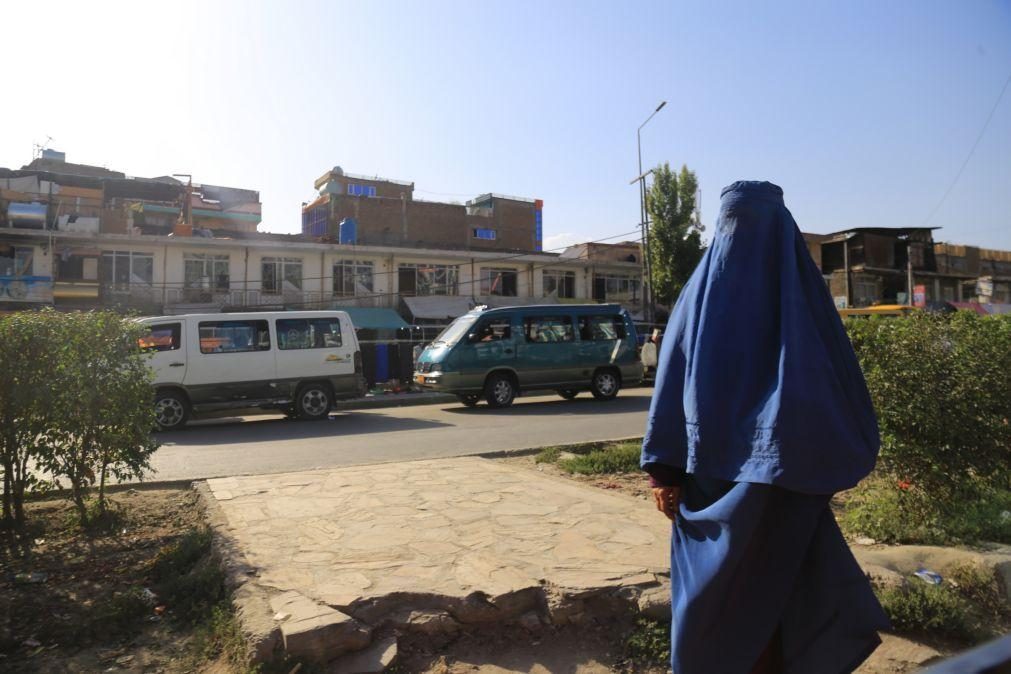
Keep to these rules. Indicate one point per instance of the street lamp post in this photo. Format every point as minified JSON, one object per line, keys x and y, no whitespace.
{"x":647,"y":291}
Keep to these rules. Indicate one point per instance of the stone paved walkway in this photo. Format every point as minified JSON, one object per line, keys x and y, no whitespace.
{"x":433,"y":544}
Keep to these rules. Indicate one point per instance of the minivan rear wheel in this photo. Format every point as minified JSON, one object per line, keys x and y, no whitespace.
{"x":171,"y":410}
{"x":499,"y":391}
{"x":313,"y":401}
{"x":605,"y":384}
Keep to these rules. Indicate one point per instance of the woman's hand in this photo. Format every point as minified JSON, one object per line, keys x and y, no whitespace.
{"x":667,"y":499}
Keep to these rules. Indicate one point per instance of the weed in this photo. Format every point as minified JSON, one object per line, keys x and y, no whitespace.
{"x":122,"y":614}
{"x":548,"y":455}
{"x":938,"y":610}
{"x":649,"y":643}
{"x":980,"y":587}
{"x":617,"y":458}
{"x":178,"y":558}
{"x":221,"y":636}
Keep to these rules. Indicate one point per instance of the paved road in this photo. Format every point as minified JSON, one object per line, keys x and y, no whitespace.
{"x":273,"y":444}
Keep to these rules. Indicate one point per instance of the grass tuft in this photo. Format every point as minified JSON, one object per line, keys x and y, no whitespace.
{"x":620,"y":457}
{"x":649,"y":644}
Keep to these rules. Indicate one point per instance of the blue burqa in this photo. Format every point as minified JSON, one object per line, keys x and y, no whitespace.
{"x":760,"y":403}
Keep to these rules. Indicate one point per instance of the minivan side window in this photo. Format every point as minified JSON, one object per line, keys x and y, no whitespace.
{"x":548,"y":329}
{"x":493,"y":330}
{"x":234,"y":336}
{"x":164,"y":337}
{"x":312,"y":333}
{"x":601,"y":328}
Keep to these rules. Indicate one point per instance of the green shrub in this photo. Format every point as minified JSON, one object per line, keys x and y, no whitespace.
{"x":616,"y":458}
{"x":548,"y":455}
{"x":649,"y":643}
{"x":937,"y":610}
{"x":943,"y":400}
{"x":881,"y":509}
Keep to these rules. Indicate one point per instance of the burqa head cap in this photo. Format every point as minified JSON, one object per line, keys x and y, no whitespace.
{"x":757,"y":380}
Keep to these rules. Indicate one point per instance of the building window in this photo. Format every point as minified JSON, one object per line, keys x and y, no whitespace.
{"x":205,"y":272}
{"x":356,"y":190}
{"x":352,"y":278}
{"x":122,"y":269}
{"x":484,"y":233}
{"x":428,"y":279}
{"x":864,"y":293}
{"x":281,"y":273}
{"x":559,"y":283}
{"x":314,"y":333}
{"x":615,"y":287}
{"x":234,"y":336}
{"x":548,"y":329}
{"x":499,"y":282}
{"x":16,"y":261}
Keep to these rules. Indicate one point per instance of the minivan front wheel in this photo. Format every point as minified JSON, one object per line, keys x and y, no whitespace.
{"x":499,"y":391}
{"x":170,"y":410}
{"x":605,"y":384}
{"x":312,"y":402}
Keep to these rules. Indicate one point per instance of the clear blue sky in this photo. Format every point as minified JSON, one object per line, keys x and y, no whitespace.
{"x":862,"y":111}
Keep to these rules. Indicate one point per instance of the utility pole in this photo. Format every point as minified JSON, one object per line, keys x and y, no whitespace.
{"x":647,"y":291}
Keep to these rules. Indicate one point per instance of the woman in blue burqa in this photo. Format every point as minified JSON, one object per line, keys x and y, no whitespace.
{"x":760,"y":414}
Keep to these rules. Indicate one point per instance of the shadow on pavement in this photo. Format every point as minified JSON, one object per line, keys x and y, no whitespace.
{"x":233,"y":430}
{"x":584,"y":404}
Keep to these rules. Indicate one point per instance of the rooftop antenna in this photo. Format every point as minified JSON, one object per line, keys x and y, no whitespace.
{"x":37,"y":148}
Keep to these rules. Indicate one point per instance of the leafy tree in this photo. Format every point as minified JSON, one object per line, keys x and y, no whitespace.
{"x":105,"y":398}
{"x":75,"y":405}
{"x":675,"y":243}
{"x":27,"y":407}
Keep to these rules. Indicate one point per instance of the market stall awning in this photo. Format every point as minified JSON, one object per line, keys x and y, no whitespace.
{"x":375,"y":319}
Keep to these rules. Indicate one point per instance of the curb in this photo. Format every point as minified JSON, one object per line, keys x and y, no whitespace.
{"x":380,"y":402}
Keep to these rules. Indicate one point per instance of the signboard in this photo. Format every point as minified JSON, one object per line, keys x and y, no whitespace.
{"x":840,"y":301}
{"x":919,"y":296}
{"x":984,"y":286}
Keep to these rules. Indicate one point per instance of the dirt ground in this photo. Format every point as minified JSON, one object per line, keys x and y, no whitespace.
{"x":65,"y":603}
{"x":60,"y":602}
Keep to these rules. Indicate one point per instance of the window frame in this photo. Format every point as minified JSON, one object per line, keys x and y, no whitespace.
{"x":310,"y":322}
{"x":176,"y":329}
{"x":280,"y":273}
{"x":358,"y":269}
{"x":450,"y":287}
{"x":210,"y":264}
{"x":107,"y":274}
{"x":560,"y":277}
{"x":488,"y":275}
{"x":615,"y":320}
{"x":562,"y":318}
{"x":230,"y":323}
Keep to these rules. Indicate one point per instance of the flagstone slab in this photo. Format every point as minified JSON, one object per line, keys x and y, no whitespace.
{"x":469,"y":540}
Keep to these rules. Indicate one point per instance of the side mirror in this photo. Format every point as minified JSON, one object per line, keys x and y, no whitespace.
{"x":472,"y":337}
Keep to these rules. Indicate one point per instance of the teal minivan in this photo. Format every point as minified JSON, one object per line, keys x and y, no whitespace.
{"x":497,"y":354}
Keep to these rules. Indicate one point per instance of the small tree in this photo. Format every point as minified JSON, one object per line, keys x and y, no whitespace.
{"x":675,"y":243}
{"x":27,"y":406}
{"x":104,"y":396}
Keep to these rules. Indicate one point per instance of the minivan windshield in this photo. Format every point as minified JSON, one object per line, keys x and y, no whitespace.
{"x":455,"y":330}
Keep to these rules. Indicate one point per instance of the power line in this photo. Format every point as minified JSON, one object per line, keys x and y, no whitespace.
{"x":971,"y":152}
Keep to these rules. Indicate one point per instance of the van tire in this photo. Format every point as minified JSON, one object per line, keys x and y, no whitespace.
{"x":569,"y":393}
{"x":500,"y":390}
{"x":171,"y":410}
{"x":470,"y":399}
{"x":313,"y":402}
{"x":605,"y":384}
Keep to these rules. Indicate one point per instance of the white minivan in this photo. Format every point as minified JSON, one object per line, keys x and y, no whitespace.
{"x":298,"y":362}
